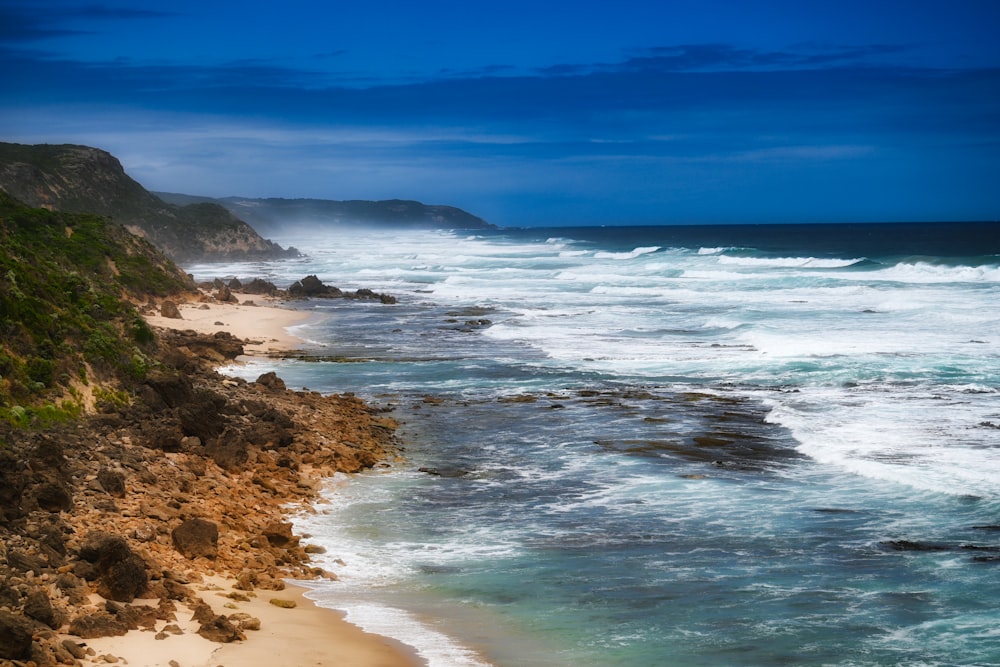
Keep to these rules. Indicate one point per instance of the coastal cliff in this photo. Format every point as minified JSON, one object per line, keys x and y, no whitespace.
{"x":129,"y":469}
{"x":273,"y":214}
{"x":81,"y":179}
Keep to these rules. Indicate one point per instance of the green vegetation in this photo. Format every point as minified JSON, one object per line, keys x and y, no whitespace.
{"x":67,"y":284}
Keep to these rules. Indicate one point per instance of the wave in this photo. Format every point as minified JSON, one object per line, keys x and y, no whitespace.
{"x":789,"y":262}
{"x":927,"y":272}
{"x":638,"y":252}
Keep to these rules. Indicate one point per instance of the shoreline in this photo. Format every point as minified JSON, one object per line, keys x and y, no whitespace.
{"x":255,"y":319}
{"x":301,"y":633}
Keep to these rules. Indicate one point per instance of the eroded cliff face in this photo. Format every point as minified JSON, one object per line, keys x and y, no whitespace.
{"x":141,"y":500}
{"x":82,"y":179}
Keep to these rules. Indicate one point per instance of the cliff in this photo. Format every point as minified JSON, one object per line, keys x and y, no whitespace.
{"x":81,"y":179}
{"x":273,"y":214}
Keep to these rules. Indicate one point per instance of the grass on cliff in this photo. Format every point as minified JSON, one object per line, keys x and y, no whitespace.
{"x":67,"y":284}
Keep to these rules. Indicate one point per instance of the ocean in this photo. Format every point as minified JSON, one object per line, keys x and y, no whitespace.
{"x":644,"y":446}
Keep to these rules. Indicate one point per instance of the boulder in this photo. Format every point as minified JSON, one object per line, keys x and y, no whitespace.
{"x":14,"y":477}
{"x":201,"y":416}
{"x":271,"y":381}
{"x":22,"y":561}
{"x":75,"y":649}
{"x":121,"y":574}
{"x":225,"y":295}
{"x":112,"y":481}
{"x":259,"y":286}
{"x":230,"y":450}
{"x":173,"y":389}
{"x":220,"y":629}
{"x":53,"y":496}
{"x":170,"y":310}
{"x":196,"y":538}
{"x":279,"y":534}
{"x":202,"y":613}
{"x":39,"y":607}
{"x":15,"y":636}
{"x":97,"y":624}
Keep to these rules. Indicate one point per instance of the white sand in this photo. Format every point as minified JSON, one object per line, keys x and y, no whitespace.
{"x":304,"y":635}
{"x":265,"y":325}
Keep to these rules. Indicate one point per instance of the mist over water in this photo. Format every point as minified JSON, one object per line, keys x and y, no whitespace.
{"x":686,"y":446}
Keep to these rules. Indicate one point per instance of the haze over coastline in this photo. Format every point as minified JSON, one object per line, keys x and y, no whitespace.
{"x":553,"y":114}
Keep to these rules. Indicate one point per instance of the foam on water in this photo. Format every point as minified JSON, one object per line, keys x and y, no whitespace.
{"x":626,"y":255}
{"x":788,"y":262}
{"x":561,"y":514}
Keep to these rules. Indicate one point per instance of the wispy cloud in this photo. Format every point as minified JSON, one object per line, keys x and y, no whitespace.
{"x":727,"y":58}
{"x":35,"y":21}
{"x":677,"y":128}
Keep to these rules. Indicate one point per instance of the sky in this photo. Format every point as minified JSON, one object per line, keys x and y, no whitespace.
{"x":530,"y":112}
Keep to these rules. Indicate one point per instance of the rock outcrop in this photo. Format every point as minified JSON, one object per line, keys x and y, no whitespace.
{"x":139,"y":501}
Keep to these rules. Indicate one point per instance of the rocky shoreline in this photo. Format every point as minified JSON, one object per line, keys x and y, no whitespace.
{"x":109,"y":523}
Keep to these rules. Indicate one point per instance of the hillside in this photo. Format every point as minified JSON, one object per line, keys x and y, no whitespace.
{"x":80,"y":179}
{"x":67,"y":285}
{"x":273,"y":214}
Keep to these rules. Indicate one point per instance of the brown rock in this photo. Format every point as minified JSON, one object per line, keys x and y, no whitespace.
{"x":271,"y":381}
{"x":220,"y":629}
{"x":112,"y":481}
{"x":39,"y":607}
{"x":74,"y":649}
{"x":170,"y":310}
{"x":202,"y":613}
{"x":24,"y":562}
{"x":121,"y":573}
{"x":15,"y":636}
{"x":225,"y":295}
{"x":245,"y":621}
{"x":196,"y":538}
{"x":98,"y":624}
{"x":43,"y":655}
{"x":53,"y":496}
{"x":246,"y":580}
{"x":279,"y":534}
{"x":230,"y":450}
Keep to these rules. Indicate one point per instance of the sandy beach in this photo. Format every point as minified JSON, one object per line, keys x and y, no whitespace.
{"x":296,"y":633}
{"x":292,"y":629}
{"x":255,"y":318}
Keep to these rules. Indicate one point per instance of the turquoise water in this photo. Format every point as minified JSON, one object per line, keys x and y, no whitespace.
{"x":667,"y":446}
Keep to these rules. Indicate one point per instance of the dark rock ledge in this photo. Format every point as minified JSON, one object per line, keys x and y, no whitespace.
{"x":310,"y":287}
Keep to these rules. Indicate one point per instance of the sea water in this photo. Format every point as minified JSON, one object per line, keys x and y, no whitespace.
{"x":760,"y":445}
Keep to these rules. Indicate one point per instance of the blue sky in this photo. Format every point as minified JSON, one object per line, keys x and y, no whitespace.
{"x":528,"y":113}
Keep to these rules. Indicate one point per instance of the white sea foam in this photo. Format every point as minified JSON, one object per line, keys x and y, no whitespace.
{"x":923,"y":272}
{"x":637,"y":252}
{"x":430,"y":644}
{"x":902,"y":435}
{"x":787,"y":262}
